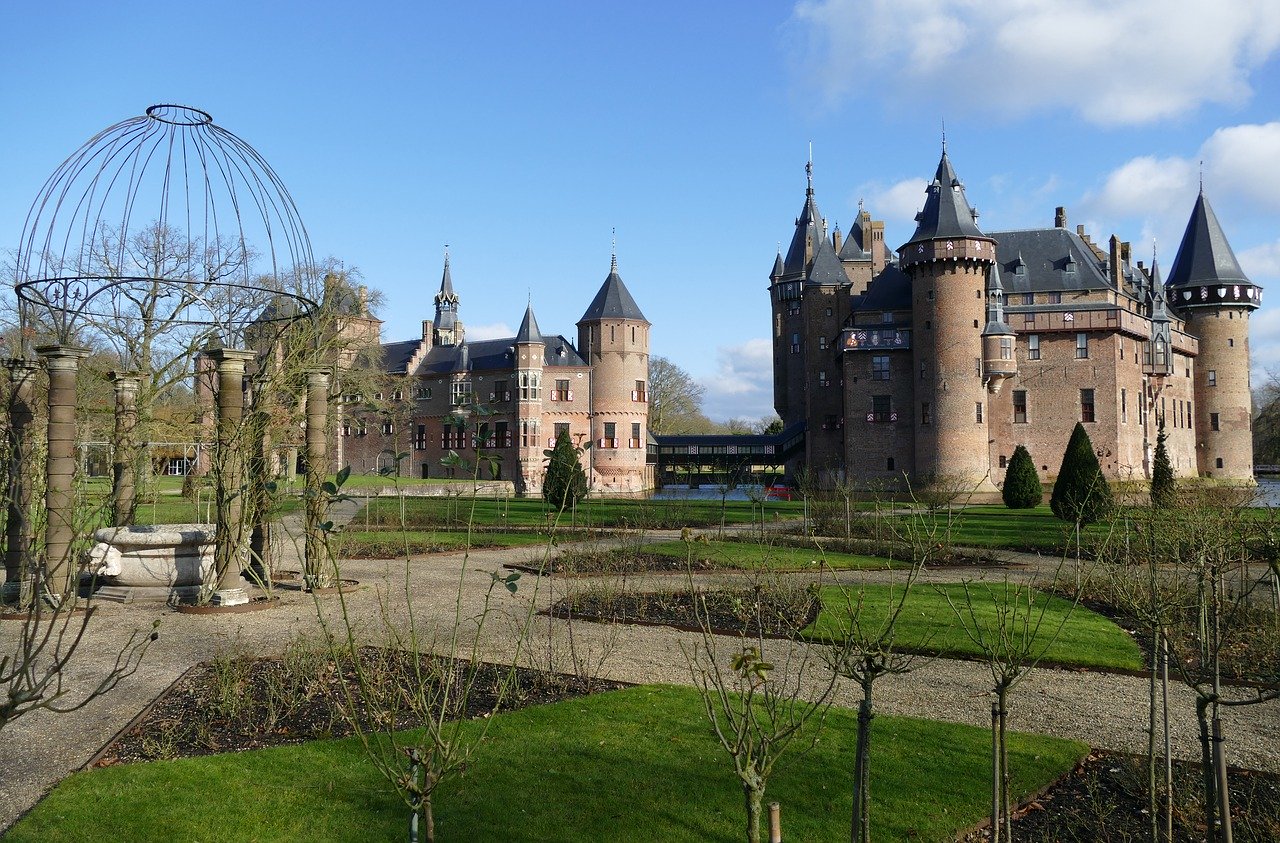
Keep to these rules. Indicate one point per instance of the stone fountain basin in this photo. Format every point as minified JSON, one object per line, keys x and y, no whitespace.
{"x":163,"y":561}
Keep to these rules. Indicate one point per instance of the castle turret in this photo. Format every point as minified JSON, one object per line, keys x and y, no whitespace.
{"x":530,"y":358}
{"x":447,"y":327}
{"x":1208,"y":288}
{"x":998,"y":359}
{"x":613,"y":336}
{"x":949,"y":260}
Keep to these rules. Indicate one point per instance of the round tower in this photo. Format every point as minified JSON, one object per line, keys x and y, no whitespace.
{"x":613,"y":337}
{"x":530,"y":359}
{"x":1208,"y":289}
{"x":949,"y":260}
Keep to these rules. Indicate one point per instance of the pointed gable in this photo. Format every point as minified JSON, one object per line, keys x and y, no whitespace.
{"x":529,"y":331}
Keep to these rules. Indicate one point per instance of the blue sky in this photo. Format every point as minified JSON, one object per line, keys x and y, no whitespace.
{"x":522,"y":134}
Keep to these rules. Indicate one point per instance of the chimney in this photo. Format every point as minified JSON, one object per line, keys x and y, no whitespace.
{"x":837,"y":239}
{"x":426,"y":328}
{"x":363,"y":292}
{"x":1060,"y":217}
{"x":1125,"y":252}
{"x":1114,"y":265}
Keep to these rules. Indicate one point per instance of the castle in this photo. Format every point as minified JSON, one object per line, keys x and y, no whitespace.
{"x":934,"y":363}
{"x":533,"y":387}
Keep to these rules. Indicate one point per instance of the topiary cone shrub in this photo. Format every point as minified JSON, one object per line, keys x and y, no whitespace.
{"x":1164,"y":489}
{"x":1022,"y":488}
{"x":565,"y":481}
{"x":1080,"y":494}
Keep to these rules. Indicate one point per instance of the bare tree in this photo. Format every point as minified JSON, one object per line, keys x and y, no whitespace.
{"x":675,"y":398}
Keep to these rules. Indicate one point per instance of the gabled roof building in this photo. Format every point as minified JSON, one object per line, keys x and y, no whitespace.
{"x":933,"y":363}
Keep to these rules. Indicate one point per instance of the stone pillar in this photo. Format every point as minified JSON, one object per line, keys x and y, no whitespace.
{"x":228,"y":473}
{"x":123,"y":486}
{"x":315,"y":561}
{"x":61,"y":362}
{"x":19,"y":529}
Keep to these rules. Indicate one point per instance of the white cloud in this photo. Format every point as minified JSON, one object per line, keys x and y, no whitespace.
{"x":1261,"y":263}
{"x":492,"y":331}
{"x":1112,"y":61}
{"x":1141,"y":184}
{"x":1243,"y":160}
{"x":896,"y":203}
{"x":742,"y":386}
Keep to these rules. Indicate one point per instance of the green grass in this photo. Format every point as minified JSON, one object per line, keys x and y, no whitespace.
{"x":738,"y":554}
{"x":633,"y":765}
{"x":929,"y":624}
{"x":591,"y":513}
{"x":998,"y":526}
{"x":390,"y":544}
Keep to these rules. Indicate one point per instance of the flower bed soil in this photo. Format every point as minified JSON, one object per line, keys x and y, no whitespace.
{"x":722,"y":612}
{"x":593,"y":564}
{"x":245,"y":703}
{"x":1105,"y":801}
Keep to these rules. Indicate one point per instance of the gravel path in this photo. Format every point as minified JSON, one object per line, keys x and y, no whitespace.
{"x":1105,"y":710}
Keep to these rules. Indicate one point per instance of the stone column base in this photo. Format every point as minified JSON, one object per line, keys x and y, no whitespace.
{"x":229,"y":597}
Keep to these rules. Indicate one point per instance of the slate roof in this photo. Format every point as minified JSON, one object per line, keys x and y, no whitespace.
{"x":853,"y":247}
{"x":809,"y":230}
{"x":776,"y":272}
{"x":488,"y":355}
{"x":396,"y":355}
{"x":826,"y":268}
{"x":1052,"y":259}
{"x":1204,"y":257}
{"x":613,"y":301}
{"x":890,"y":290}
{"x":529,"y":331}
{"x":946,"y":210}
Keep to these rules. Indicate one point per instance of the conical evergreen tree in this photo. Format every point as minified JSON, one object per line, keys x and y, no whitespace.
{"x":1164,"y":489}
{"x":1081,"y":493}
{"x":1021,"y":482}
{"x":565,"y":480}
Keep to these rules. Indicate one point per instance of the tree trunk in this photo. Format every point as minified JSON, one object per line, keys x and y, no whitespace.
{"x":861,"y":829}
{"x":995,"y":772}
{"x":1004,"y":770}
{"x":1206,"y":770}
{"x":429,"y":818}
{"x":754,"y":797}
{"x":1220,"y":779}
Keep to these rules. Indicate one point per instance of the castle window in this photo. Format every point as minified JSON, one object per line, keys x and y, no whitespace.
{"x":889,"y":464}
{"x":397,"y":396}
{"x":500,"y":392}
{"x":828,"y":311}
{"x":639,"y":394}
{"x":1213,"y":377}
{"x":1055,"y":298}
{"x":1004,"y":461}
{"x":881,"y":408}
{"x":388,"y":428}
{"x":377,"y":396}
{"x":930,"y":295}
{"x":1213,"y":422}
{"x":559,"y":429}
{"x":529,"y":433}
{"x":501,"y":435}
{"x":1086,"y":406}
{"x":1124,"y":406}
{"x":346,"y":429}
{"x":1006,"y":348}
{"x":1190,"y":414}
{"x":460,"y":393}
{"x":822,"y":342}
{"x":1029,"y":318}
{"x":1033,"y":346}
{"x":634,"y":442}
{"x":795,"y":343}
{"x":1120,"y":345}
{"x":823,"y":380}
{"x":977,"y":366}
{"x":561,"y":392}
{"x":1019,"y":406}
{"x":1082,"y":346}
{"x":1231,"y":342}
{"x":977,"y":409}
{"x":926,"y":416}
{"x":1029,"y":298}
{"x":1160,"y":353}
{"x":923,"y":370}
{"x":420,"y":440}
{"x":530,"y":386}
{"x":1218,"y":462}
{"x":886,"y":318}
{"x":610,"y":439}
{"x":423,"y":393}
{"x":880,"y":368}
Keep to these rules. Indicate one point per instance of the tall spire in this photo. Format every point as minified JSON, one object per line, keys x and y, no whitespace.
{"x":529,"y":331}
{"x":810,"y":230}
{"x":447,"y":326}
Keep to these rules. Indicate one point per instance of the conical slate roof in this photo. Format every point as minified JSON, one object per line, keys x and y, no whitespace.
{"x":854,"y":246}
{"x":777,"y":266}
{"x":809,"y":231}
{"x":1205,"y":256}
{"x":446,"y":293}
{"x":826,"y":268}
{"x":997,"y":324}
{"x":529,"y":331}
{"x":613,"y":301}
{"x":1159,"y":313}
{"x":946,"y":211}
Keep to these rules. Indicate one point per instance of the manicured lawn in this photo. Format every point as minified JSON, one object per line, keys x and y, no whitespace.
{"x":633,"y":765}
{"x":391,"y":544}
{"x":998,"y":526}
{"x":601,"y":512}
{"x":736,"y":554}
{"x":929,"y":624}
